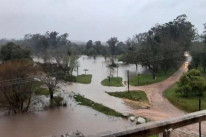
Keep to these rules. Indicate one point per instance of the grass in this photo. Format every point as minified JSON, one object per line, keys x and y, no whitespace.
{"x":96,"y":106}
{"x":154,"y":136}
{"x":38,"y":90}
{"x":84,"y":79}
{"x":190,"y":104}
{"x":132,"y":95}
{"x":114,"y":81}
{"x":145,"y":79}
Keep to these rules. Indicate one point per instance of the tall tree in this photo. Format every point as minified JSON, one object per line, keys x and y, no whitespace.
{"x":112,"y":44}
{"x":50,"y":82}
{"x":89,"y":44}
{"x":12,"y":51}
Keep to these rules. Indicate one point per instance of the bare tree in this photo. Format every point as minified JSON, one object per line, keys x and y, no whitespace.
{"x":65,"y":61}
{"x":15,"y":95}
{"x":50,"y":82}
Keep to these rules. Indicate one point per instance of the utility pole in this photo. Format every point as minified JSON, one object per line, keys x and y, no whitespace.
{"x":200,"y":132}
{"x":117,"y":71}
{"x":128,"y":79}
{"x":77,"y":70}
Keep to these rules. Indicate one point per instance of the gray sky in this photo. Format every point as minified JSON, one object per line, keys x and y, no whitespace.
{"x":94,"y":19}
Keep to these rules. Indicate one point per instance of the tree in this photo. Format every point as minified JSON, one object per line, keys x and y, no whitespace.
{"x":197,"y":52}
{"x":112,"y":44}
{"x":65,"y":59}
{"x":105,"y":52}
{"x":15,"y":95}
{"x":41,"y":44}
{"x":162,"y":47}
{"x":133,"y":54}
{"x":50,"y":82}
{"x":12,"y":51}
{"x":89,"y":44}
{"x":204,"y":34}
{"x":191,"y":83}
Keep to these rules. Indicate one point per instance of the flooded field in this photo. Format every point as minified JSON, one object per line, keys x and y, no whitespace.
{"x":74,"y":117}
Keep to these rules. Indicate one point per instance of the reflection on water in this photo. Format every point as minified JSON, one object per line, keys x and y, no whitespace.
{"x":74,"y":117}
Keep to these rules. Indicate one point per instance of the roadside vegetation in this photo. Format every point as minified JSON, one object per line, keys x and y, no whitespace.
{"x":145,"y":79}
{"x":112,"y":81}
{"x":192,"y":86}
{"x":131,"y":95}
{"x":96,"y":106}
{"x":186,"y":93}
{"x":190,"y":104}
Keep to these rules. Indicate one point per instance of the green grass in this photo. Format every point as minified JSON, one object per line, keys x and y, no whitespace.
{"x":114,"y":81}
{"x":84,"y":79}
{"x":154,"y":136}
{"x":96,"y":106}
{"x":132,"y":95}
{"x":190,"y":104}
{"x":145,"y":79}
{"x":38,"y":90}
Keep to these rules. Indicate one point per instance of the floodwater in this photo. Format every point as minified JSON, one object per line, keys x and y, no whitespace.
{"x":74,"y":117}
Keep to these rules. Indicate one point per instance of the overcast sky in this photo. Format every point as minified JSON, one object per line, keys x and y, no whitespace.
{"x":94,"y":19}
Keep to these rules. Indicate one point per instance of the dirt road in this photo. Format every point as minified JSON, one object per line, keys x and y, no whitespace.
{"x":161,"y":108}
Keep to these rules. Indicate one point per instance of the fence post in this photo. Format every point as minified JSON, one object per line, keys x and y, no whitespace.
{"x":167,"y":132}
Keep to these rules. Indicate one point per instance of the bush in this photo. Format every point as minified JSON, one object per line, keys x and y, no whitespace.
{"x":57,"y":102}
{"x":12,"y":51}
{"x":191,"y":84}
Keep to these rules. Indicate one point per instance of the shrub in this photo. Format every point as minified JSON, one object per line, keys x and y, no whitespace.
{"x":191,"y":83}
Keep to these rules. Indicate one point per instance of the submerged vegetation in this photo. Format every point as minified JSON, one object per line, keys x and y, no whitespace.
{"x":96,"y":106}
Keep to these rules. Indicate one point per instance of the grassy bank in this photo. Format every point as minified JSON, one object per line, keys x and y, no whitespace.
{"x":132,"y":95}
{"x":145,"y":79}
{"x":114,"y":81}
{"x":96,"y":106}
{"x":189,"y":104}
{"x":84,"y":79}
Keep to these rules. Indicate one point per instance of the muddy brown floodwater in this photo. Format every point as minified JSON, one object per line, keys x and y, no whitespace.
{"x":75,"y":117}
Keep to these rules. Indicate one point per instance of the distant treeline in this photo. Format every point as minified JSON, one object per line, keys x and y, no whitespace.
{"x":159,"y":49}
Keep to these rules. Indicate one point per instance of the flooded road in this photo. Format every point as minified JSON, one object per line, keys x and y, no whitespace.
{"x":74,"y":117}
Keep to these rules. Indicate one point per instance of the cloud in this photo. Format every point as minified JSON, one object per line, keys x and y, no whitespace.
{"x":94,"y":19}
